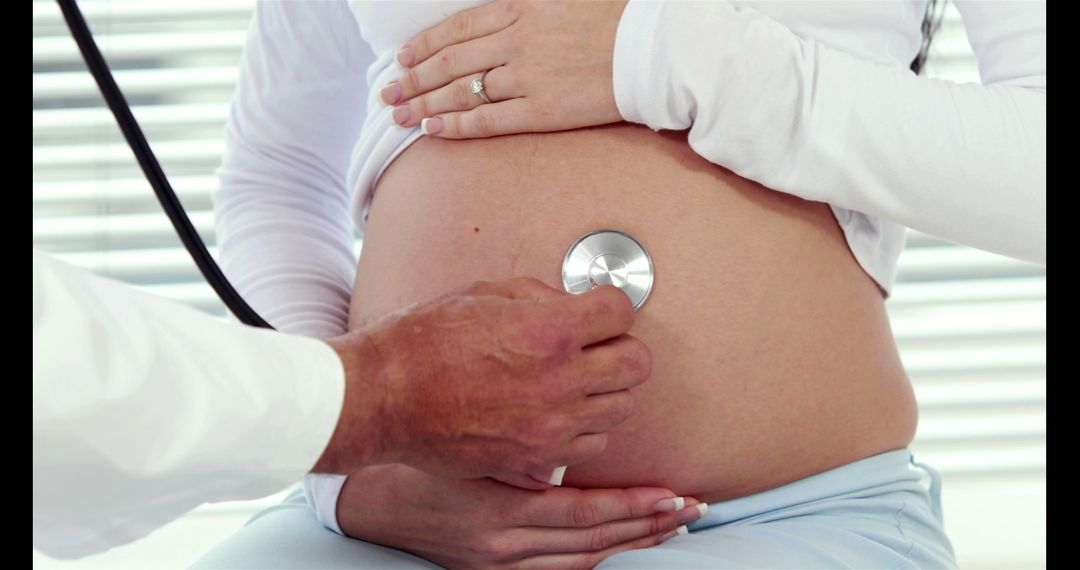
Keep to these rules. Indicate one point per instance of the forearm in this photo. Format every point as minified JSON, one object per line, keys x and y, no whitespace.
{"x":963,"y":162}
{"x":282,"y":209}
{"x":293,"y":261}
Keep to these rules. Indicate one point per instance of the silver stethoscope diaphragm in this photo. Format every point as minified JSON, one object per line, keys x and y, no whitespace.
{"x":608,"y":257}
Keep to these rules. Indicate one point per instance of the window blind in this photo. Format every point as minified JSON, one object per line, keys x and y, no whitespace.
{"x":176,"y":63}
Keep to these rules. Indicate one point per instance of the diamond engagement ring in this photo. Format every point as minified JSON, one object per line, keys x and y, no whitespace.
{"x":478,"y":87}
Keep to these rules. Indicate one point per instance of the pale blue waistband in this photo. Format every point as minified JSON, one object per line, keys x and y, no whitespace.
{"x":886,"y":472}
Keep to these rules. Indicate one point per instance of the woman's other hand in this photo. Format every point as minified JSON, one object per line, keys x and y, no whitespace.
{"x":550,"y":68}
{"x":481,"y":523}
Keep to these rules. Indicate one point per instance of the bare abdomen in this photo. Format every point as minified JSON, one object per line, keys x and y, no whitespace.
{"x":773,"y":357}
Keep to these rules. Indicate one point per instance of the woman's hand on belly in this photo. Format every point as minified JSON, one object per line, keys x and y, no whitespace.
{"x":481,"y":523}
{"x":550,"y":70}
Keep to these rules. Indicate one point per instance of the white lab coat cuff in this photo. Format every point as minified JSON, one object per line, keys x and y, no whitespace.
{"x":316,"y":403}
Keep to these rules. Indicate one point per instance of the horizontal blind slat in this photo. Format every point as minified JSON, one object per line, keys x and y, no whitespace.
{"x":124,"y":48}
{"x":48,"y":14}
{"x":74,"y":120}
{"x":170,"y":83}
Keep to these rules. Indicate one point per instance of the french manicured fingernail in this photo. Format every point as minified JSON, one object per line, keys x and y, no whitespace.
{"x":557,"y":474}
{"x":391,"y":93}
{"x":669,"y":505}
{"x":402,"y":114}
{"x":433,"y":126}
{"x":693,"y":513}
{"x":674,"y":533}
{"x":404,"y":57}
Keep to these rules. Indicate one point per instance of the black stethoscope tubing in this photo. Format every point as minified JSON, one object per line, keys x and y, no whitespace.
{"x":150,"y":167}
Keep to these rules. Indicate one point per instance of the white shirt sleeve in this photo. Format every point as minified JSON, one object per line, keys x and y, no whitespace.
{"x":282,"y":210}
{"x":964,"y":162}
{"x":145,"y":409}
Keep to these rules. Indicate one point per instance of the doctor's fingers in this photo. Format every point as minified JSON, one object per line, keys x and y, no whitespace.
{"x":593,"y":316}
{"x":598,"y":414}
{"x":580,"y":449}
{"x":616,"y":364}
{"x":564,"y":323}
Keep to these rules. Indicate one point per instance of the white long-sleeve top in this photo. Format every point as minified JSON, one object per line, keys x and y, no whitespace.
{"x":145,"y":409}
{"x":810,"y":98}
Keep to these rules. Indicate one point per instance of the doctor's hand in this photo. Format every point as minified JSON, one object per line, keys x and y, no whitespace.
{"x":480,"y":523}
{"x":501,"y":378}
{"x":550,"y":62}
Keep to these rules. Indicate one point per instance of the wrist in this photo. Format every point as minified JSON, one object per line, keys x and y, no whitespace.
{"x":360,"y":437}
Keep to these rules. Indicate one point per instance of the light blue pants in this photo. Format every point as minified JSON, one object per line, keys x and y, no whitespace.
{"x":873,"y":513}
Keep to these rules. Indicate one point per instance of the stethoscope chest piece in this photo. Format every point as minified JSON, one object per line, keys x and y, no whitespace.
{"x":608,"y":257}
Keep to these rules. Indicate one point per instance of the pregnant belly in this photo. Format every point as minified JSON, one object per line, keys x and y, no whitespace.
{"x":773,"y":356}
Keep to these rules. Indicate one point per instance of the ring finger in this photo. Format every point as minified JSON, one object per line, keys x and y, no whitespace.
{"x":456,"y":96}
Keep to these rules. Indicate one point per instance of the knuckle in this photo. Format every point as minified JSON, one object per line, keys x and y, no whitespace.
{"x":501,"y":551}
{"x":536,"y":454}
{"x":413,"y":79}
{"x":622,"y":407}
{"x":421,"y":106}
{"x":461,"y":94}
{"x":602,"y":537}
{"x":639,"y":357}
{"x":483,"y":123}
{"x":527,"y":465}
{"x":585,"y":514}
{"x":422,"y":45}
{"x":492,"y":548}
{"x":544,"y":339}
{"x":547,"y":431}
{"x":456,"y":119}
{"x":626,"y":505}
{"x":558,"y":341}
{"x":655,"y":526}
{"x":460,"y":27}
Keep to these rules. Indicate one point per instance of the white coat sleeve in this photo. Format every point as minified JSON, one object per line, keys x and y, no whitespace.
{"x":964,"y":162}
{"x":144,"y":409}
